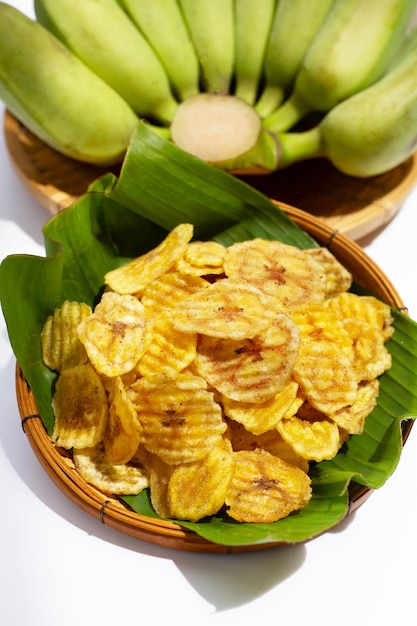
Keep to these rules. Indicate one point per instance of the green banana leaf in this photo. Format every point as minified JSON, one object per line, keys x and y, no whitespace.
{"x":160,"y":186}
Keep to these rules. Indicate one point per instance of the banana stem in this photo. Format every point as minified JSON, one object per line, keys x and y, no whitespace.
{"x":300,"y":146}
{"x":288,"y":114}
{"x":271,"y":98}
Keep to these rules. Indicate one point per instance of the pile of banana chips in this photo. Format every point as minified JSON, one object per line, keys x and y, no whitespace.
{"x":216,"y":375}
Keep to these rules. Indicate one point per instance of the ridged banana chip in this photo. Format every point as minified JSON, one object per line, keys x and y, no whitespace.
{"x":180,"y":419}
{"x":366,"y":308}
{"x":338,"y":278}
{"x":352,"y":418}
{"x":61,"y":347}
{"x":265,"y":488}
{"x":250,"y":370}
{"x":122,"y":436}
{"x":232,"y":309}
{"x":80,"y":407}
{"x":94,"y":466}
{"x":114,"y":335}
{"x":284,"y":272}
{"x":370,"y":356}
{"x":202,"y":258}
{"x":262,"y":416}
{"x":166,"y":291}
{"x":133,"y":277}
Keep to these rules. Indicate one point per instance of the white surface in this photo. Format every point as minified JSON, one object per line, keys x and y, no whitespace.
{"x":60,"y":566}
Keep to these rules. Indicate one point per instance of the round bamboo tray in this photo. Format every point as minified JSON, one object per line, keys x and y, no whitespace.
{"x":108,"y":509}
{"x":355,"y":206}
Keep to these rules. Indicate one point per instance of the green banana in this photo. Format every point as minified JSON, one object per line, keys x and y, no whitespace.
{"x":101,"y":34}
{"x":56,"y":96}
{"x":295,"y":24}
{"x":161,"y":22}
{"x":211,"y":26}
{"x":371,"y":132}
{"x":252,"y":27}
{"x":351,"y":50}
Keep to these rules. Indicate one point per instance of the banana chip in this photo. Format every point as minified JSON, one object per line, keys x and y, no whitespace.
{"x":198,"y":489}
{"x":114,"y":335}
{"x":61,"y":347}
{"x":94,"y":466}
{"x":260,"y":417}
{"x":180,"y":419}
{"x":314,"y":441}
{"x":80,"y":407}
{"x":325,"y":375}
{"x":133,"y":277}
{"x":264,"y":488}
{"x":232,"y":309}
{"x":250,"y":370}
{"x":352,"y":418}
{"x":317,"y":322}
{"x":123,"y":431}
{"x":284,"y":272}
{"x":202,"y":258}
{"x":338,"y":278}
{"x":169,"y":350}
{"x":366,"y":308}
{"x":164,"y":293}
{"x":370,"y":356}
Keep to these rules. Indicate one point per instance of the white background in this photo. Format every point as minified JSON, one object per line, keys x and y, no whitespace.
{"x":60,"y":566}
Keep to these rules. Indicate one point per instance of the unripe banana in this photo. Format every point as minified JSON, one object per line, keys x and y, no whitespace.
{"x":211,"y":26}
{"x":101,"y":34}
{"x":351,"y":50}
{"x":371,"y":132}
{"x":161,"y":22}
{"x":295,"y":24}
{"x":56,"y":96}
{"x":252,"y":27}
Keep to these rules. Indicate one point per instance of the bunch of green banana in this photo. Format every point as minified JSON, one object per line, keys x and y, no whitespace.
{"x":371,"y":132}
{"x":57,"y":97}
{"x":350,"y":51}
{"x":226,"y":80}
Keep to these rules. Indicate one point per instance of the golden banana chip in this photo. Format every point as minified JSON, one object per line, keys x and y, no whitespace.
{"x":114,"y":335}
{"x":260,"y":417}
{"x":202,"y":258}
{"x":317,"y":322}
{"x":250,"y":370}
{"x":181,"y":421}
{"x":169,"y":350}
{"x":133,"y":277}
{"x":314,"y":441}
{"x":265,"y":488}
{"x":198,"y":489}
{"x":338,"y":278}
{"x":284,"y":272}
{"x":164,"y":293}
{"x":61,"y":347}
{"x":80,"y":407}
{"x":325,"y":375}
{"x":366,"y":308}
{"x":352,"y":418}
{"x":232,"y":309}
{"x":370,"y":356}
{"x":95,"y":468}
{"x":123,"y":431}
{"x":160,"y":473}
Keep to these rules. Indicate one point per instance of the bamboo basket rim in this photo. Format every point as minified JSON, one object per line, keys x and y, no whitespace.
{"x":107,"y":508}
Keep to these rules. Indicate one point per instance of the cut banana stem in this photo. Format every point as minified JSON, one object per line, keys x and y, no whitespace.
{"x":351,"y":50}
{"x":252,"y":27}
{"x":162,"y":23}
{"x":295,"y":24}
{"x":215,"y":127}
{"x":372,"y":131}
{"x":102,"y":35}
{"x":211,"y":26}
{"x":57,"y":97}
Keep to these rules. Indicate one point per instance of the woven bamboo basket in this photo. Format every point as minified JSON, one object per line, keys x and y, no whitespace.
{"x":109,"y":510}
{"x":355,"y":206}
